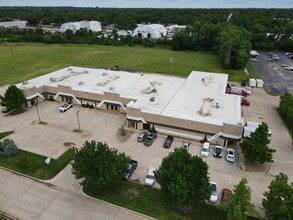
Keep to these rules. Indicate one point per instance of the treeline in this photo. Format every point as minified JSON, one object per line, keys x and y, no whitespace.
{"x":286,"y":110}
{"x":230,"y":32}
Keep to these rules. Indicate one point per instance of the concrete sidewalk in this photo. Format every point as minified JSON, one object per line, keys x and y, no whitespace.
{"x":26,"y":198}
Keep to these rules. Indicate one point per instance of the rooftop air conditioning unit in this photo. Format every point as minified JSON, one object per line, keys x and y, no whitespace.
{"x":69,"y":69}
{"x":105,"y":74}
{"x":154,"y":90}
{"x":152,"y":99}
{"x":80,"y":83}
{"x":25,"y":82}
{"x":217,"y":105}
{"x":112,"y":88}
{"x":85,"y":71}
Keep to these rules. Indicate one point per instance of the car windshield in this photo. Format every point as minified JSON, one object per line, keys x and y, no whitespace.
{"x":150,"y":177}
{"x":214,"y":189}
{"x":204,"y":150}
{"x":218,"y":150}
{"x":230,"y":153}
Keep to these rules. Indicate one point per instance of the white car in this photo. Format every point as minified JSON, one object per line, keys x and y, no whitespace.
{"x":150,"y":178}
{"x":186,"y":144}
{"x":65,"y":107}
{"x":214,"y":192}
{"x":230,"y":155}
{"x":205,"y":150}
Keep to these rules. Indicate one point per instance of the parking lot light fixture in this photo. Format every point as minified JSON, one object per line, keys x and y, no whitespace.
{"x":171,"y":62}
{"x":77,"y":116}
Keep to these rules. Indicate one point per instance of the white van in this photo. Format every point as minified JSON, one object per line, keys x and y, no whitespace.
{"x":205,"y":150}
{"x":150,"y":178}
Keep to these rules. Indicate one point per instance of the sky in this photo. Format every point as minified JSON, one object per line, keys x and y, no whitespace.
{"x":154,"y":3}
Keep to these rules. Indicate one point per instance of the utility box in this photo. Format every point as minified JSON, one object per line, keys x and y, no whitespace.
{"x":259,"y":83}
{"x":252,"y":82}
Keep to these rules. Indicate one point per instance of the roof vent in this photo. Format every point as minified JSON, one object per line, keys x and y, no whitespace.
{"x":152,"y":99}
{"x":69,"y":69}
{"x":105,"y":74}
{"x":24,"y":82}
{"x":112,"y":88}
{"x":85,"y":71}
{"x":80,"y":83}
{"x":217,"y":105}
{"x":141,"y":74}
{"x":154,"y":90}
{"x":202,"y":79}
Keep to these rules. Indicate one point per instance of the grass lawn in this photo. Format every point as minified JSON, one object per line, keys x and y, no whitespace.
{"x":34,"y":165}
{"x":152,"y":202}
{"x":4,"y":134}
{"x":32,"y":60}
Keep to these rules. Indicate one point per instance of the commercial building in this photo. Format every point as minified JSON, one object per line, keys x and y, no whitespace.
{"x":153,"y":31}
{"x":94,"y":26}
{"x":189,"y":107}
{"x":13,"y":24}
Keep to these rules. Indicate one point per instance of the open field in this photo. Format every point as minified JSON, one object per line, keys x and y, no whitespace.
{"x":31,"y":60}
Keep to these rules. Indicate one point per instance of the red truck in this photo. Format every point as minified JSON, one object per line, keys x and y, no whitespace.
{"x":245,"y":102}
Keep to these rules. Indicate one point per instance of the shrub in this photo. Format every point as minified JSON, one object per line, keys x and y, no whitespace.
{"x":87,"y":105}
{"x":9,"y":148}
{"x":204,"y":139}
{"x":153,"y":130}
{"x":51,"y":98}
{"x":45,"y":95}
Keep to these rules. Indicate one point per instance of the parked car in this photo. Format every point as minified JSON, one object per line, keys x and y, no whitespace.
{"x":142,"y":136}
{"x":168,"y":142}
{"x":205,"y":150}
{"x":130,"y":169}
{"x":150,"y":178}
{"x":253,"y":60}
{"x":186,"y":144}
{"x":290,"y":68}
{"x":230,"y":155}
{"x":245,"y":102}
{"x":225,"y":195}
{"x":270,"y":60}
{"x":243,"y":83}
{"x":5,"y":110}
{"x":214,"y":192}
{"x":218,"y":151}
{"x":150,"y":139}
{"x":64,"y":107}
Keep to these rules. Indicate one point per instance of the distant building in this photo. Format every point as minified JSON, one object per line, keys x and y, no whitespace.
{"x":94,"y":26}
{"x":172,"y":29}
{"x":154,"y":31}
{"x":13,"y":24}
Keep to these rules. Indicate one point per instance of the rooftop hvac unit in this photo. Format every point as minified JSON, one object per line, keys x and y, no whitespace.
{"x":152,"y":99}
{"x":85,"y":71}
{"x":112,"y":88}
{"x":69,"y":69}
{"x":53,"y":79}
{"x":217,"y":105}
{"x":24,"y":82}
{"x":105,"y":74}
{"x":141,"y":74}
{"x":154,"y":90}
{"x":80,"y":83}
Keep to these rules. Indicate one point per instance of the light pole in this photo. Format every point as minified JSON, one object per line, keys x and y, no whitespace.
{"x":77,"y":115}
{"x":171,"y":62}
{"x":38,"y":112}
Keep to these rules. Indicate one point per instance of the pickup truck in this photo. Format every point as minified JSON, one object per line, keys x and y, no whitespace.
{"x":130,"y":169}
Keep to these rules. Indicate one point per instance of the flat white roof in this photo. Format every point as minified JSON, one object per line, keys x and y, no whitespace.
{"x":200,"y":97}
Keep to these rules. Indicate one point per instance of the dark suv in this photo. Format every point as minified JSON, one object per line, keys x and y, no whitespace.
{"x":168,"y":142}
{"x":150,"y":139}
{"x":130,"y":169}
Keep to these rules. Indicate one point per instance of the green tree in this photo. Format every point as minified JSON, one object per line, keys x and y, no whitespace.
{"x":13,"y":98}
{"x":239,"y":204}
{"x":99,"y":165}
{"x":234,"y":46}
{"x":184,"y":178}
{"x":8,"y":147}
{"x":278,"y":201}
{"x":256,"y":147}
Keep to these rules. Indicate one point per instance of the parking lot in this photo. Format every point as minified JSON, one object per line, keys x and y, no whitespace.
{"x":50,"y":139}
{"x":276,"y":78}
